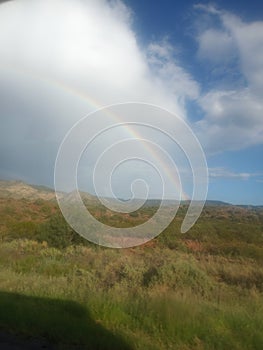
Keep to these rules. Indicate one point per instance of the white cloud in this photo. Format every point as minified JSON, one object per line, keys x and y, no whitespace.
{"x":216,"y":46}
{"x":210,"y":8}
{"x":220,"y":172}
{"x":233,"y":120}
{"x":52,"y":52}
{"x":89,"y":46}
{"x":172,"y":77}
{"x":233,"y":116}
{"x":249,"y":41}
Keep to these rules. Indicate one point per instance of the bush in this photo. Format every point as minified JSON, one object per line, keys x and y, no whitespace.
{"x":57,"y":233}
{"x":25,"y":229}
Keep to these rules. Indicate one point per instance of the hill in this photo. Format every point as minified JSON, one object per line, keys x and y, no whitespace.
{"x":19,"y":189}
{"x":198,"y":290}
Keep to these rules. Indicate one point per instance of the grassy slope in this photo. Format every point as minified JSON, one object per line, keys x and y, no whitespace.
{"x":203,"y":290}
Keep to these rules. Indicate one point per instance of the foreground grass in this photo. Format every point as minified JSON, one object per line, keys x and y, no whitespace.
{"x":141,"y":298}
{"x":63,"y":322}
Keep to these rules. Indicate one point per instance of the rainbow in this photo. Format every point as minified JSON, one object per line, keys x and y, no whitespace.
{"x":96,"y":105}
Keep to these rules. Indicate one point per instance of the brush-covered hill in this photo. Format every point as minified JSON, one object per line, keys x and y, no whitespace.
{"x":19,"y":190}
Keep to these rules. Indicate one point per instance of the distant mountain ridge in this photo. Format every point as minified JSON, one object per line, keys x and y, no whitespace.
{"x":19,"y":189}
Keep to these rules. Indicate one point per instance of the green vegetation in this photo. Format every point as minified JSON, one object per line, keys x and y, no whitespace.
{"x":200,"y":290}
{"x":70,"y":321}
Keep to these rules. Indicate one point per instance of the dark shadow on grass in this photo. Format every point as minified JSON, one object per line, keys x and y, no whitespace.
{"x":54,"y":323}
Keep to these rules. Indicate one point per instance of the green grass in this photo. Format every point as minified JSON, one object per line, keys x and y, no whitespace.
{"x":70,"y":295}
{"x":200,"y":290}
{"x":62,"y":322}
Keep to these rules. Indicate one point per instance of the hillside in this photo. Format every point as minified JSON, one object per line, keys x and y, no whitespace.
{"x":200,"y":290}
{"x":19,"y":189}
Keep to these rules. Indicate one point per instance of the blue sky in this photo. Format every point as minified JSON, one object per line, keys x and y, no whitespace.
{"x":60,"y":60}
{"x":177,"y":21}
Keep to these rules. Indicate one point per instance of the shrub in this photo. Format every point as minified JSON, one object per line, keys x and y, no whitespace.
{"x":57,"y":233}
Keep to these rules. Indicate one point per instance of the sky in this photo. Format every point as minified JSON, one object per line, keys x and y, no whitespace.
{"x":202,"y":61}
